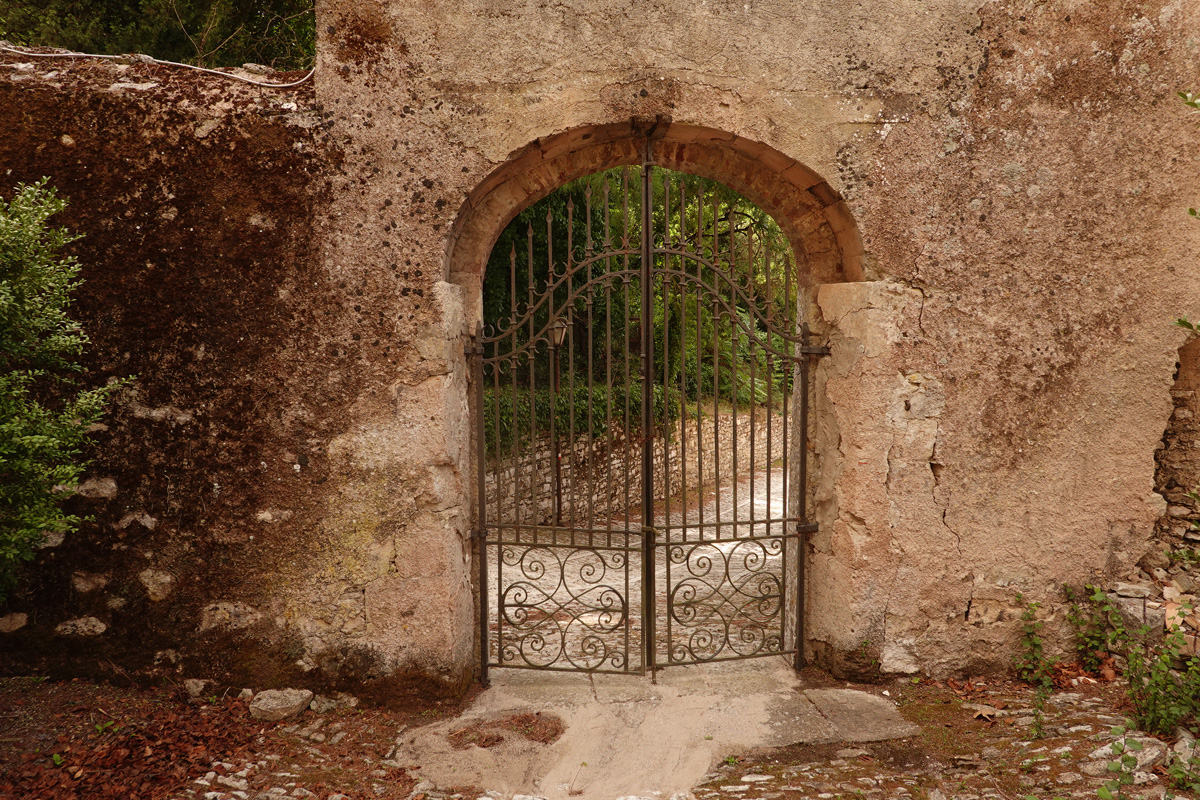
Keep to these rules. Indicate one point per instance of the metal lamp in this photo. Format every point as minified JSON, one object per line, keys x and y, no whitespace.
{"x":558,"y":332}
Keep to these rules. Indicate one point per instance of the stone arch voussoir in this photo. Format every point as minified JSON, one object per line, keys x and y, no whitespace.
{"x":813,"y":216}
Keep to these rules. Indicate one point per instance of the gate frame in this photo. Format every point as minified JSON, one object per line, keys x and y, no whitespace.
{"x":649,"y":608}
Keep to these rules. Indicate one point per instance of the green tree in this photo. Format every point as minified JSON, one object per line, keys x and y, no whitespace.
{"x":207,"y":33}
{"x":44,"y":416}
{"x":596,"y":213}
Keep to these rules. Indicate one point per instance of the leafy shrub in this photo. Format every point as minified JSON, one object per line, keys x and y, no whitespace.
{"x":513,"y":416}
{"x":280,"y":33}
{"x":1098,"y":626}
{"x":43,"y":418}
{"x":1032,"y":664}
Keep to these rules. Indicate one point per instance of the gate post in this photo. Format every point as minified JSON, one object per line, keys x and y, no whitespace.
{"x":882,"y":531}
{"x":479,"y":533}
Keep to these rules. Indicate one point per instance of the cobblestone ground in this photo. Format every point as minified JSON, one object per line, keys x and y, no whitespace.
{"x":973,"y":745}
{"x":976,"y":742}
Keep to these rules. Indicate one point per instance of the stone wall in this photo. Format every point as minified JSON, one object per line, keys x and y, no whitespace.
{"x":1178,"y":458}
{"x":200,"y":201}
{"x":987,"y":198}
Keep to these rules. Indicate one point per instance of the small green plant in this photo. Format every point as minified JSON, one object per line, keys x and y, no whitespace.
{"x":105,"y":726}
{"x":57,"y":759}
{"x":1033,"y":666}
{"x":1184,"y":773}
{"x":1185,"y":555}
{"x":1028,"y":764}
{"x":1163,"y":696}
{"x":1122,"y":766}
{"x":1098,"y":626}
{"x":732,"y":760}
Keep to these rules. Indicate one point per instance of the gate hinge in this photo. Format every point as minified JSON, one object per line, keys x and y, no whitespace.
{"x":478,"y":533}
{"x":814,"y":350}
{"x":473,"y":349}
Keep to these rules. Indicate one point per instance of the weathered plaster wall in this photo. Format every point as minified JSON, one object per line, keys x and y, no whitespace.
{"x":1051,"y":255}
{"x":433,"y":99}
{"x":200,"y":204}
{"x":988,"y":196}
{"x":1016,"y":172}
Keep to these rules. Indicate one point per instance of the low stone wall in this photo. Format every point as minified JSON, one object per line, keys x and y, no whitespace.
{"x":602,"y":478}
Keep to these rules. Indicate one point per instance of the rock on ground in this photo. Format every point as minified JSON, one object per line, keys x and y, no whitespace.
{"x":276,"y":704}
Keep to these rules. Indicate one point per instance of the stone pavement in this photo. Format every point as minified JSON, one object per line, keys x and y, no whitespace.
{"x":626,"y":736}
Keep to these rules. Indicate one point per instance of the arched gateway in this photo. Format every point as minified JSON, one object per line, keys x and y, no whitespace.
{"x":641,"y":426}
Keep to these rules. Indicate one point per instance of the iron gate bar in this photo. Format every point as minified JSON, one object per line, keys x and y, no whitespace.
{"x":738,"y":611}
{"x":647,"y":336}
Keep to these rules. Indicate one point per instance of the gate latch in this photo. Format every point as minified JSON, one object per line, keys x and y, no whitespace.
{"x":650,"y":533}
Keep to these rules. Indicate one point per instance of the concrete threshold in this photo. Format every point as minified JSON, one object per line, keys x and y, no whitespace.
{"x":627,"y":737}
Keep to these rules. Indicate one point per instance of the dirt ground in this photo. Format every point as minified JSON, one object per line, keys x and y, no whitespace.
{"x":78,"y":739}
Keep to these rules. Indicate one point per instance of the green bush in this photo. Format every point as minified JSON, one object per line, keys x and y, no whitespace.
{"x":279,"y":33}
{"x":43,"y":416}
{"x":510,"y":414}
{"x":1098,"y":626}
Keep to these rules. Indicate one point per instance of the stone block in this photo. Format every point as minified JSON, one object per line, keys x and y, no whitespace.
{"x":273,"y":705}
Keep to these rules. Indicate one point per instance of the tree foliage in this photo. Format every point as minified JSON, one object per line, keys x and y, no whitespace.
{"x":44,"y":418}
{"x":702,"y":352}
{"x":207,"y":33}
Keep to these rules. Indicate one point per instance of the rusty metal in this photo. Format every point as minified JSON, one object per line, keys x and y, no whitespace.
{"x":647,"y":507}
{"x":479,"y":534}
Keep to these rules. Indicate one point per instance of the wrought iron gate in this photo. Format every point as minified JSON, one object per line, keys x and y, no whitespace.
{"x":641,"y":434}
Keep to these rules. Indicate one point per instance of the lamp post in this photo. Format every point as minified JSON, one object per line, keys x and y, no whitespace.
{"x":558,"y":332}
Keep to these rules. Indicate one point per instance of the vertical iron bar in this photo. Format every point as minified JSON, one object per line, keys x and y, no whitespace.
{"x":666,"y":356}
{"x":591,"y":439}
{"x":789,"y":325}
{"x":587,"y":196}
{"x":648,"y":610}
{"x":499,"y":463}
{"x":770,"y":375}
{"x":608,"y":350}
{"x":627,"y":430}
{"x":801,"y":545}
{"x":751,"y":339}
{"x":535,"y":495}
{"x":735,"y":341}
{"x":699,"y":426}
{"x":682,"y":261}
{"x":514,"y":450}
{"x":550,"y":290}
{"x":554,"y":445}
{"x":572,"y":480}
{"x":627,"y":349}
{"x":567,"y":308}
{"x":787,"y":392}
{"x":481,"y":489}
{"x":716,"y":362}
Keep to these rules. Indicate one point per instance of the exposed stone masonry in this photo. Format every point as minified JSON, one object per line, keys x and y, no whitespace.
{"x":1178,"y":459}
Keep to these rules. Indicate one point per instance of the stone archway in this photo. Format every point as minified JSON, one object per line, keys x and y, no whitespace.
{"x":812,"y":215}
